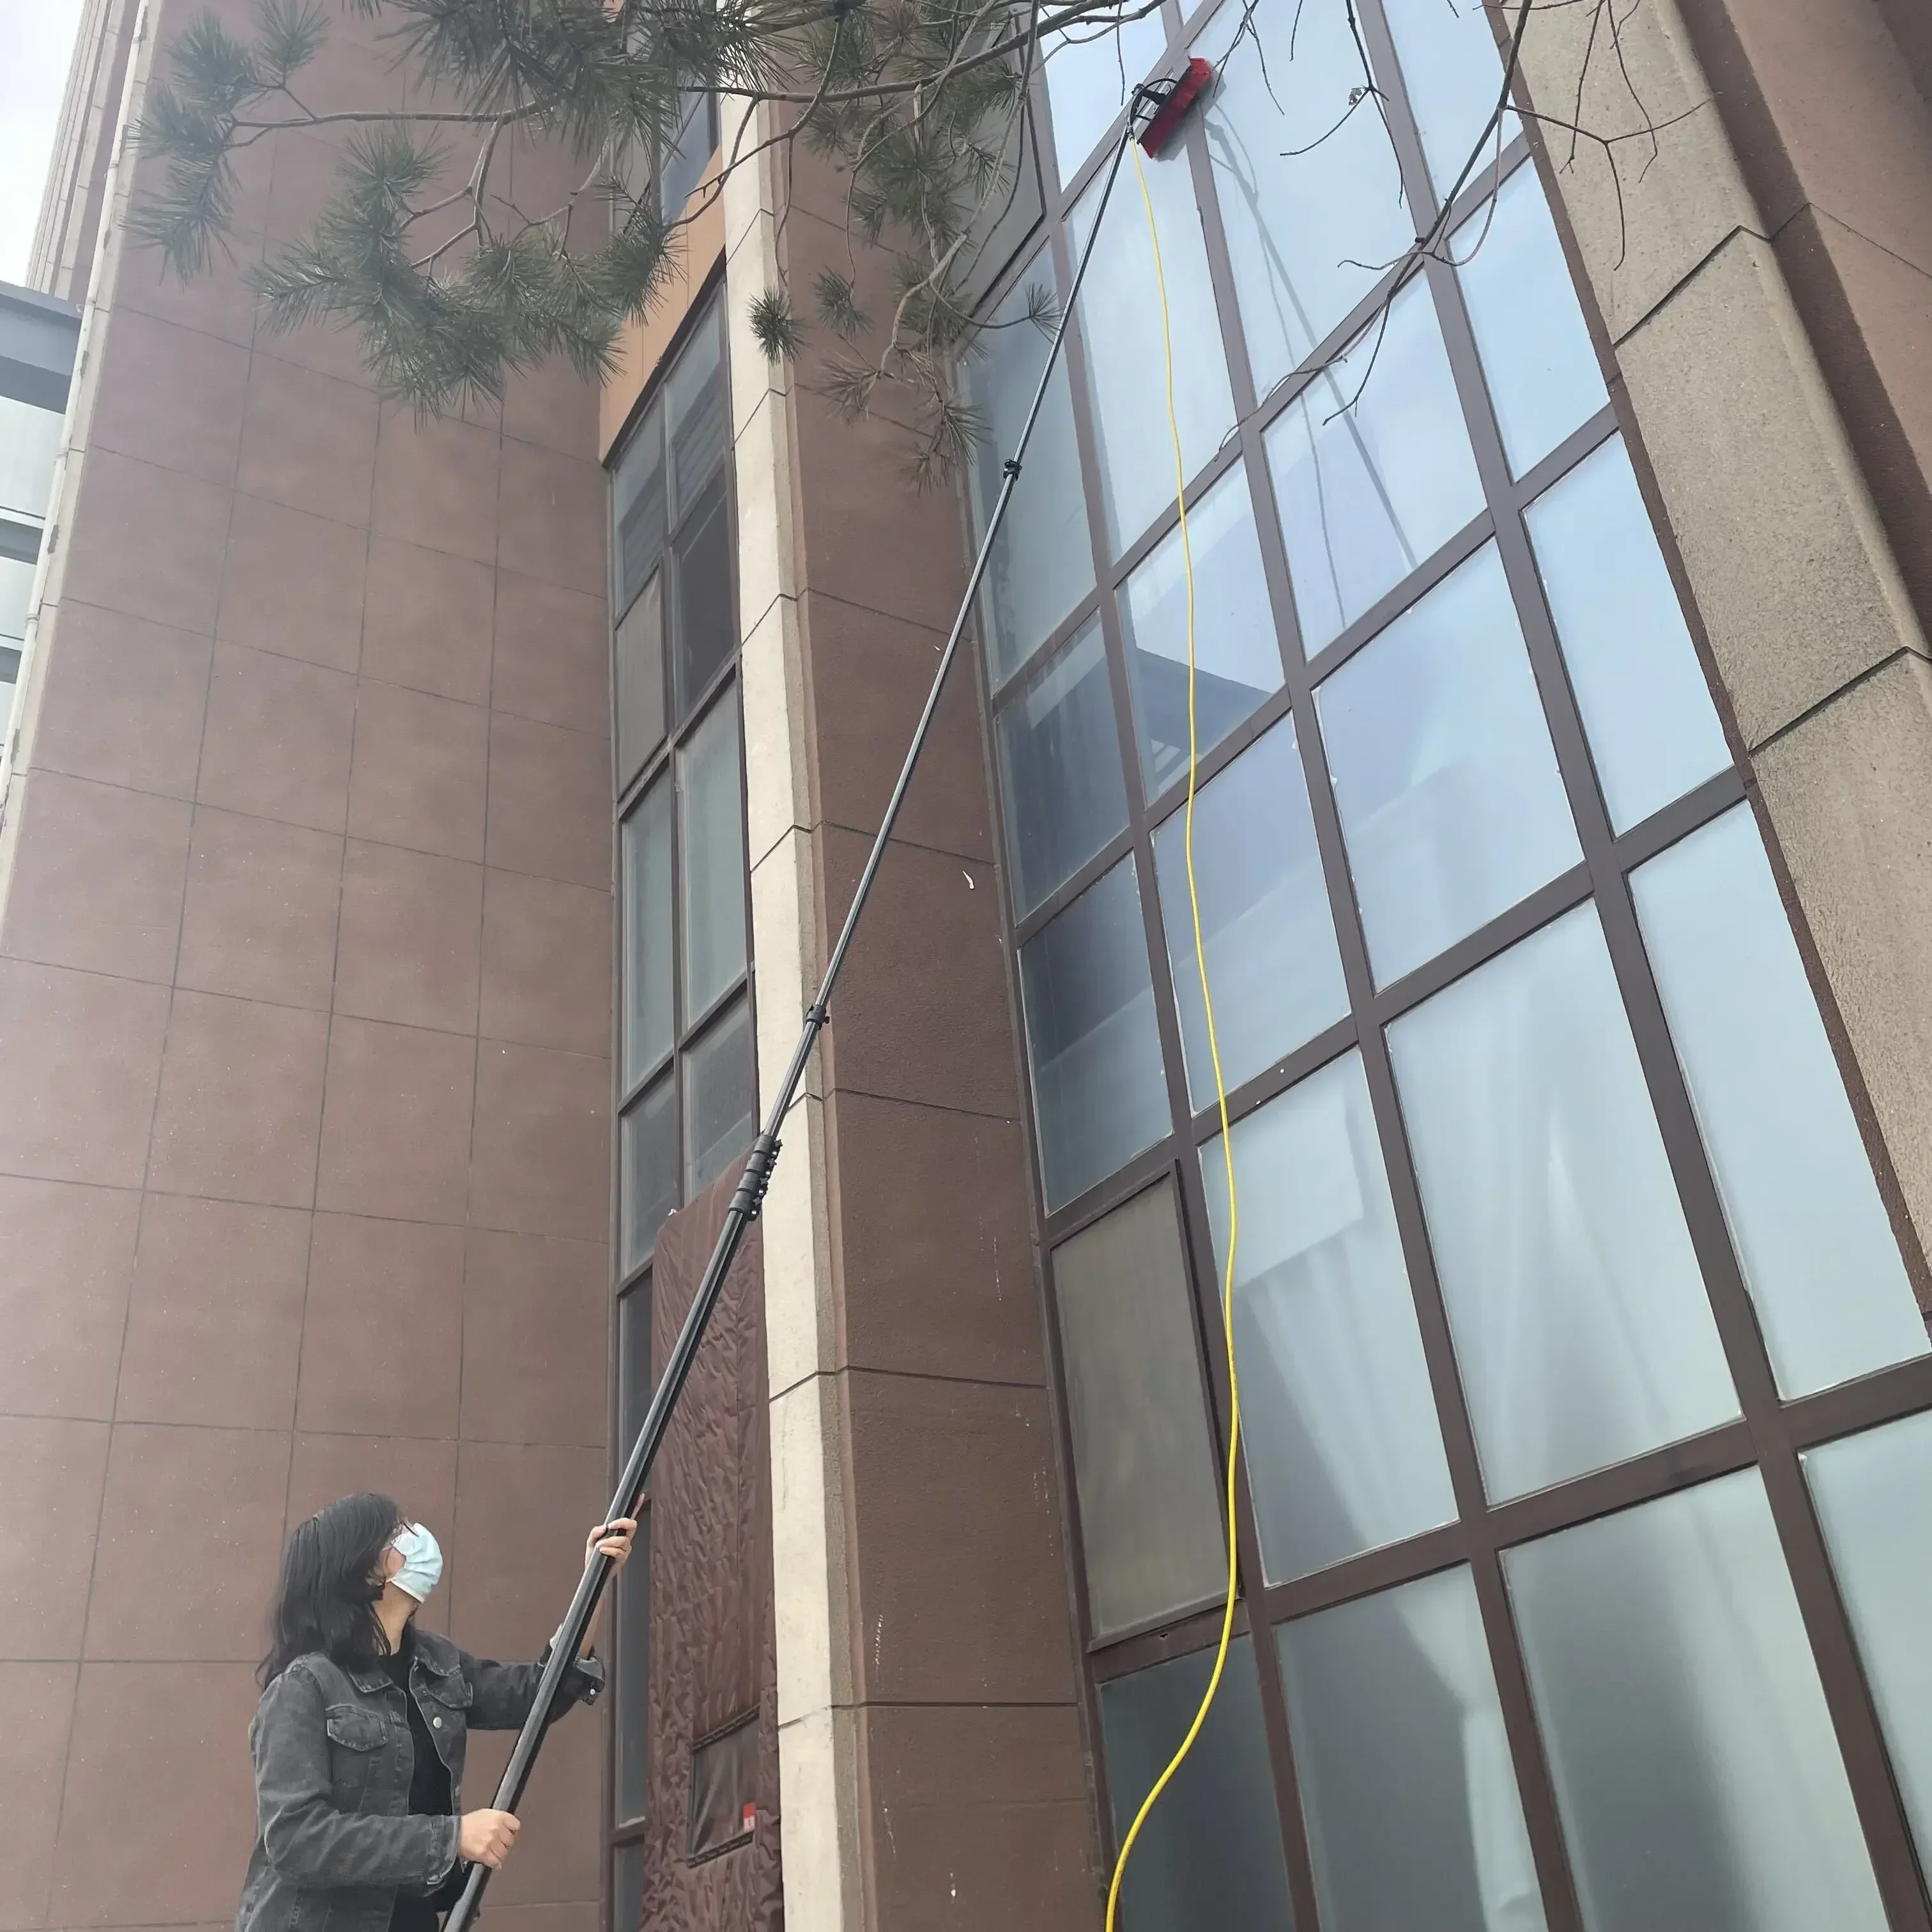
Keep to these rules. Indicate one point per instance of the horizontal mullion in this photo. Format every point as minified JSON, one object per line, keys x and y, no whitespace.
{"x":1678,"y":819}
{"x":1100,"y":1200}
{"x":1196,"y":1630}
{"x":1586,"y":440}
{"x":1290,"y":1070}
{"x":630,"y":1095}
{"x":700,"y":1021}
{"x":1258,"y":723}
{"x":1063,"y":894}
{"x":1888,"y":1395}
{"x":1042,"y":653}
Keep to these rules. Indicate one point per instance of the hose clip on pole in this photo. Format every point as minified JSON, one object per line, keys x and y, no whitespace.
{"x":748,"y":1200}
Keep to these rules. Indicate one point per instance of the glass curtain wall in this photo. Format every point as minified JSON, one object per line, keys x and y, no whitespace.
{"x":1580,"y":1360}
{"x":686,"y":1076}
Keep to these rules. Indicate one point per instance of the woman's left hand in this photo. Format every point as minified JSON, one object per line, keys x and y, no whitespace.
{"x":613,"y":1540}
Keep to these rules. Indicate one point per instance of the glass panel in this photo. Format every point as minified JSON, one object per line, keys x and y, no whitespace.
{"x":640,"y":671}
{"x":695,"y":407}
{"x":1344,"y":1452}
{"x":1099,"y":1095}
{"x":1451,"y":803}
{"x":633,"y":1678}
{"x":1694,"y":1762}
{"x":637,"y":509}
{"x":1581,"y":1325}
{"x":1210,"y":1853}
{"x":707,"y":631}
{"x":1119,"y":327}
{"x":1812,"y":1234}
{"x":720,"y":1097}
{"x":1310,"y":192}
{"x":627,"y":1905}
{"x":713,"y":854}
{"x":1042,"y":563}
{"x":634,"y":1384}
{"x":1874,"y":1497}
{"x":1265,"y":926}
{"x":1372,"y":469}
{"x":1060,"y":770}
{"x":1653,"y":730}
{"x":1236,"y":661}
{"x":30,"y":440}
{"x":16,"y":593}
{"x":1144,"y":1463}
{"x":1414,"y":1818}
{"x":1544,"y":379}
{"x":1454,"y":77}
{"x":649,"y":1179}
{"x":1090,"y":73}
{"x":724,"y":1789}
{"x":647,"y":990}
{"x":685,"y":161}
{"x":10,"y":680}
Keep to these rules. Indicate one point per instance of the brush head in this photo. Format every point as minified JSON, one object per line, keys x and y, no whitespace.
{"x":1173,"y":109}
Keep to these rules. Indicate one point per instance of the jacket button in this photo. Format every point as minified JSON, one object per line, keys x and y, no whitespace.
{"x":435,"y":1723}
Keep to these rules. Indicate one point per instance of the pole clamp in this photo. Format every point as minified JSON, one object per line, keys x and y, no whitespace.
{"x":1011,"y":466}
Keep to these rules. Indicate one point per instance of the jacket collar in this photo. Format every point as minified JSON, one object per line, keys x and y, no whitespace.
{"x":430,"y":1648}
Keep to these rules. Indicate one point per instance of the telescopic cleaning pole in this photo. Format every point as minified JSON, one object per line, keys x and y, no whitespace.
{"x":749,"y":1196}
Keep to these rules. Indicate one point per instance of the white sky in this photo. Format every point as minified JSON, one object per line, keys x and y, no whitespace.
{"x":36,"y":42}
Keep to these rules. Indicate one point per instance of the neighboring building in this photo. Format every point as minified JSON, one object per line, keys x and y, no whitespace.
{"x":1565,"y":766}
{"x":37,"y":343}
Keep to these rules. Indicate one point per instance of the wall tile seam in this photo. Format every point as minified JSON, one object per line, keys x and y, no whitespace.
{"x":832,"y":1373}
{"x":308,"y":1432}
{"x":984,"y":862}
{"x":1819,"y":211}
{"x":837,"y":1088}
{"x":1905,"y":653}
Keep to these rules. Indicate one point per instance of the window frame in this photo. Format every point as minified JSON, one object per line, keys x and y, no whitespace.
{"x":1771,"y":1432}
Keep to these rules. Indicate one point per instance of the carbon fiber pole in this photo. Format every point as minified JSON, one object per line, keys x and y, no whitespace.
{"x":750,"y":1194}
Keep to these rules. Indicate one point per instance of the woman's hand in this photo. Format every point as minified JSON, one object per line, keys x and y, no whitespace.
{"x":484,"y":1837}
{"x":613,"y":1540}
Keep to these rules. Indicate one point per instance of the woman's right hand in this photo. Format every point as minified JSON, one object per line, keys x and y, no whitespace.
{"x":484,"y":1837}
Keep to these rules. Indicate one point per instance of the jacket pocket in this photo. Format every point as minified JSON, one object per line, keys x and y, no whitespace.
{"x":355,"y":1740}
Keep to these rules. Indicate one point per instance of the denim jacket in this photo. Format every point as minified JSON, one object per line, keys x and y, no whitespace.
{"x":334,"y":1841}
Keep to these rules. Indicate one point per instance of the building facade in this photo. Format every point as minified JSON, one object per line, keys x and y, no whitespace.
{"x":420,"y":842}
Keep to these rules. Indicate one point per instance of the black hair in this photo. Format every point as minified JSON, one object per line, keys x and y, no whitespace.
{"x":326,"y":1596}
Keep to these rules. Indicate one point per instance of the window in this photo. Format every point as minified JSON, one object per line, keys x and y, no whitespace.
{"x":663,"y":178}
{"x":723,"y":1804}
{"x":1562,"y":1264}
{"x":685,"y":1067}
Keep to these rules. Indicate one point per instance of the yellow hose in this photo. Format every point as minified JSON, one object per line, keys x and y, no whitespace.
{"x":1220,"y":1092}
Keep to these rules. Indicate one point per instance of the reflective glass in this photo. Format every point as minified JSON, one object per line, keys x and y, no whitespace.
{"x":696,"y":409}
{"x":1099,"y":1092}
{"x":1144,"y":1464}
{"x":1581,"y":1329}
{"x":16,"y":594}
{"x":635,"y":1387}
{"x":1874,"y":1497}
{"x":633,"y":1678}
{"x":637,"y":509}
{"x":707,"y":632}
{"x":1451,"y":803}
{"x":684,"y":161}
{"x":1653,"y":730}
{"x":1236,"y":661}
{"x":720,"y":1097}
{"x":1043,"y":561}
{"x":1060,"y":770}
{"x":724,"y":1796}
{"x":712,"y":850}
{"x":640,"y":671}
{"x":648,"y":990}
{"x":30,"y":440}
{"x":1090,"y":73}
{"x":1454,"y":77}
{"x":648,"y":1179}
{"x":627,"y":1887}
{"x":1120,"y":328}
{"x":1833,"y":1298}
{"x":1210,"y":1854}
{"x":1694,"y":1761}
{"x":1344,"y":1452}
{"x":1310,"y":193}
{"x":1544,"y":376}
{"x":1265,"y":925}
{"x":1407,"y":1782}
{"x":1372,"y":469}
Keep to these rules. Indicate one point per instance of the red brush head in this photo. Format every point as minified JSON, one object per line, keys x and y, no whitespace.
{"x":1180,"y":97}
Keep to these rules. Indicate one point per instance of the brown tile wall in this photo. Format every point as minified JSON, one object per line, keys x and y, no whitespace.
{"x":304,"y":1015}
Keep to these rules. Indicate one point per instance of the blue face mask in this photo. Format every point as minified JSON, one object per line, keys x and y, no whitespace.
{"x":422,"y":1563}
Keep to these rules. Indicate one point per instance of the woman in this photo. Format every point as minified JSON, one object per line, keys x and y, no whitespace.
{"x":358,"y":1738}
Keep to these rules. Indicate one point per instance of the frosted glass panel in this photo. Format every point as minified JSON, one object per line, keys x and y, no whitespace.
{"x":1090,"y":73}
{"x":1454,"y":77}
{"x":1832,"y":1296}
{"x":1874,"y":1497}
{"x":713,"y":852}
{"x":1099,"y":1091}
{"x":1444,"y":775}
{"x":30,"y":440}
{"x":1237,"y":659}
{"x":1144,"y":1462}
{"x":1305,"y":229}
{"x":1414,"y":1819}
{"x":1209,"y":1858}
{"x":1647,"y":711}
{"x":1581,"y":1325}
{"x":1042,"y":562}
{"x":648,"y":924}
{"x":649,"y":1178}
{"x":1372,"y":469}
{"x":1265,"y":925}
{"x":720,"y":1092}
{"x":1120,"y":328}
{"x":1344,"y":1453}
{"x":1544,"y":376}
{"x":1695,"y":1765}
